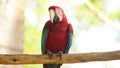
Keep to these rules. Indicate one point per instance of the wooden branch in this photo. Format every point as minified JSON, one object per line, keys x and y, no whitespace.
{"x":66,"y":58}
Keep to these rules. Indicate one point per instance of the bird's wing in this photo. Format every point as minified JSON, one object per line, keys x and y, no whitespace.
{"x":44,"y":37}
{"x":43,"y":40}
{"x":69,"y":38}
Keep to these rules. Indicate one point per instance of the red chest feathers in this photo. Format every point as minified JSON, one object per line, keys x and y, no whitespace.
{"x":56,"y":39}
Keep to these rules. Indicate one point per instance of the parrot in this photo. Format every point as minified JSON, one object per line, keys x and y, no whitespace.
{"x":57,"y":35}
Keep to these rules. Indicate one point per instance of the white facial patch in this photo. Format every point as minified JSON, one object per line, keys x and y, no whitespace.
{"x":59,"y":13}
{"x":52,"y":14}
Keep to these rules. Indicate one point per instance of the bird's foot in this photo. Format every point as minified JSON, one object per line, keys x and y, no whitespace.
{"x":50,"y":54}
{"x":60,"y":54}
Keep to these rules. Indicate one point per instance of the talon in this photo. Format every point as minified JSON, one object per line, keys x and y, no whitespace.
{"x":50,"y":54}
{"x":60,"y":54}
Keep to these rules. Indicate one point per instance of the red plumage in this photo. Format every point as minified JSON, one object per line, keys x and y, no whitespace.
{"x":56,"y":38}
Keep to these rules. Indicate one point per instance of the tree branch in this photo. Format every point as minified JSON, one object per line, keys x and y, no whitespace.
{"x":66,"y":58}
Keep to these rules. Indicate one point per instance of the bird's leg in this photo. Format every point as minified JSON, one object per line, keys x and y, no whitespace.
{"x":50,"y":54}
{"x":60,"y":54}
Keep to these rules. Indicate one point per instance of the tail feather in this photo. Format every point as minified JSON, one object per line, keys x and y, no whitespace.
{"x":52,"y":65}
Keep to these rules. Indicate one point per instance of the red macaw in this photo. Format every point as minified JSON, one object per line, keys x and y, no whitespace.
{"x":56,"y":35}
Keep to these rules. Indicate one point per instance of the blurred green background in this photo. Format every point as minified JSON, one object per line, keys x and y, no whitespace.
{"x":96,"y":26}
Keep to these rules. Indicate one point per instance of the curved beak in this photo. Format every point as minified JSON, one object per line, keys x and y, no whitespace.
{"x":54,"y":18}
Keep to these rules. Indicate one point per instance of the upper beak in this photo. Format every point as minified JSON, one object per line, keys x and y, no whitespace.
{"x":55,"y":19}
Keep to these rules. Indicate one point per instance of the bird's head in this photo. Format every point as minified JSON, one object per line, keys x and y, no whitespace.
{"x":57,"y":15}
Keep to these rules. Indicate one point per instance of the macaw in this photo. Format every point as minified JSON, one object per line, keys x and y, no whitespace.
{"x":56,"y":35}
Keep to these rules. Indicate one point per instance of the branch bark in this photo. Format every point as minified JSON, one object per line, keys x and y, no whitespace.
{"x":66,"y":58}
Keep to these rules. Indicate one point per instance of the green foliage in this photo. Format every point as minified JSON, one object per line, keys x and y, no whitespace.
{"x":84,"y":13}
{"x":32,"y":38}
{"x":115,"y":15}
{"x":100,"y":4}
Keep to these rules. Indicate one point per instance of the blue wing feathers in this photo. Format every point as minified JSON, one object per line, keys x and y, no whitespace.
{"x":69,"y":44}
{"x":69,"y":38}
{"x":43,"y":40}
